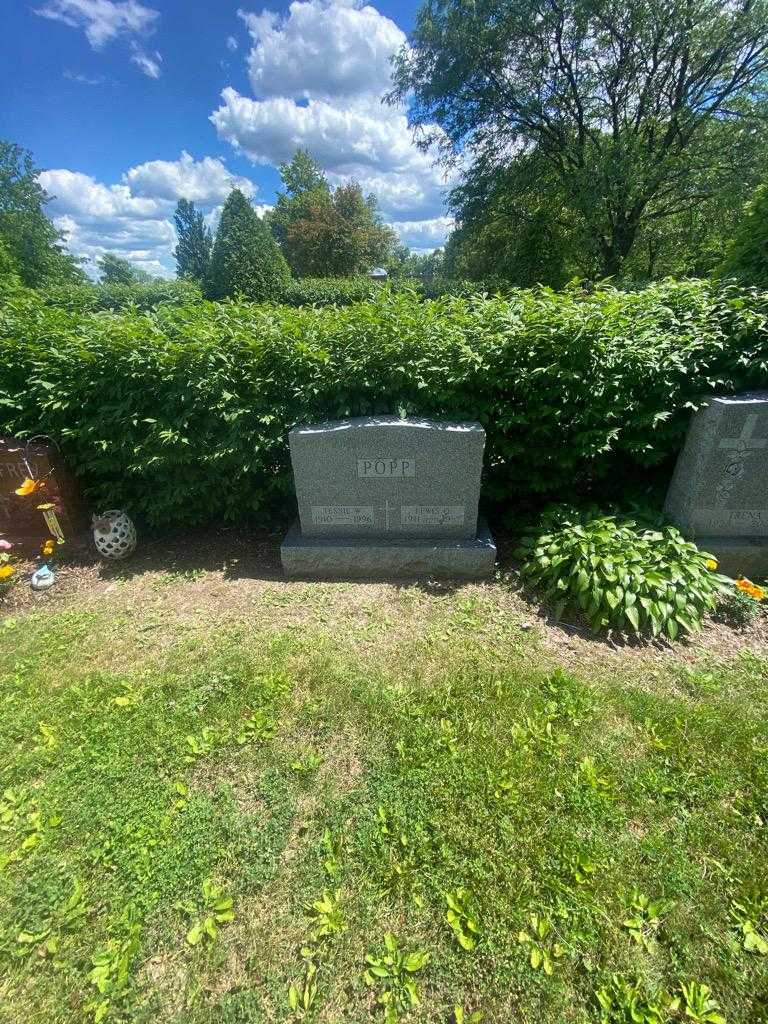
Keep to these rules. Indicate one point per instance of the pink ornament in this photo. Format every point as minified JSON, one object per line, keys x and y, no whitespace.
{"x":5,"y":545}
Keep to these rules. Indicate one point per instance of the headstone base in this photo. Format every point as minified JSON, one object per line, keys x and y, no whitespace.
{"x":328,"y":558}
{"x":737,"y":556}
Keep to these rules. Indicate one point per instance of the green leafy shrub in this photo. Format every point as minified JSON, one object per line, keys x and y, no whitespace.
{"x":737,"y":609}
{"x":90,"y":298}
{"x":329,"y":291}
{"x":622,"y":575}
{"x":181,"y":414}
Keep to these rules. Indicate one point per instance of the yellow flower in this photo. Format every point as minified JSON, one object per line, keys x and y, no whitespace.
{"x":6,"y":571}
{"x":757,"y":592}
{"x":712,"y":564}
{"x":48,"y":546}
{"x":29,"y":486}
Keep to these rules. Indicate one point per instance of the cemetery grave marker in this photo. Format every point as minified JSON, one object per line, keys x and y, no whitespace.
{"x":385,"y":497}
{"x":719,"y":490}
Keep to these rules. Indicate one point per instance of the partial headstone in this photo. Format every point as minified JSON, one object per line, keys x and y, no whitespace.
{"x":22,"y":521}
{"x":383,"y":497}
{"x":719,"y":492}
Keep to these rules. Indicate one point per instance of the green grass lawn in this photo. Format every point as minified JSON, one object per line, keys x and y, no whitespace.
{"x":222,"y":796}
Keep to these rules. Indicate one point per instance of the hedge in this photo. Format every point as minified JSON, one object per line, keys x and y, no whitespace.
{"x":181,"y":415}
{"x":90,"y":298}
{"x":306,"y":291}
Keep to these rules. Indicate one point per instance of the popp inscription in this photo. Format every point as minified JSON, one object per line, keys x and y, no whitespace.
{"x":386,"y":468}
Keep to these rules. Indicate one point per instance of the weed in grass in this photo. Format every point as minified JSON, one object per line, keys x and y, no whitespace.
{"x":327,"y":916}
{"x":588,"y":774}
{"x":256,"y":728}
{"x":698,"y":1004}
{"x":110,"y":969}
{"x":302,"y":995}
{"x":461,"y":918}
{"x":625,"y":1001}
{"x":306,"y":765}
{"x":44,"y":937}
{"x":214,"y":909}
{"x":750,"y":918}
{"x":460,"y":1017}
{"x":391,"y":974}
{"x":644,"y":917}
{"x":542,"y":950}
{"x":332,"y":853}
{"x":203,"y":744}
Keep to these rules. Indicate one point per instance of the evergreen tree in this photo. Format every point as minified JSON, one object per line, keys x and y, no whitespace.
{"x":193,"y":251}
{"x":245,"y":260}
{"x":31,"y":239}
{"x":747,"y":257}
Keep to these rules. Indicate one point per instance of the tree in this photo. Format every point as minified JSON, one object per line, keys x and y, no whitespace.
{"x":9,"y":271}
{"x":617,"y":99}
{"x":245,"y":260}
{"x":116,"y":270}
{"x":32,"y":241}
{"x":515,"y":227}
{"x":747,"y":257}
{"x":302,"y":174}
{"x":193,"y":249}
{"x":421,"y":266}
{"x":325,"y":232}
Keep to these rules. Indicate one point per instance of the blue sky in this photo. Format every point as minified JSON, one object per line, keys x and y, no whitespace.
{"x":130,"y":104}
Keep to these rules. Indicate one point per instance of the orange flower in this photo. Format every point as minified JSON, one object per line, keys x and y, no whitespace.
{"x":29,"y":486}
{"x":6,"y":571}
{"x":748,"y":587}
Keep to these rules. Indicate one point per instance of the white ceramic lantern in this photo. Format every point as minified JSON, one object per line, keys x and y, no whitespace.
{"x":114,"y":534}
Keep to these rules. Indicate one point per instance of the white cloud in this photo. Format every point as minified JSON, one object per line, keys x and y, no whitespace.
{"x":318,"y":75}
{"x":134,"y":219}
{"x":148,"y":244}
{"x":424,"y":235}
{"x":201,"y":181}
{"x":80,"y":195}
{"x":148,"y":63}
{"x":364,"y":139}
{"x":101,"y":20}
{"x":321,"y":49}
{"x":83,"y":79}
{"x":232,"y":43}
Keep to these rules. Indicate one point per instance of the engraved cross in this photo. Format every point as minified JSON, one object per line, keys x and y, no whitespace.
{"x":386,"y":509}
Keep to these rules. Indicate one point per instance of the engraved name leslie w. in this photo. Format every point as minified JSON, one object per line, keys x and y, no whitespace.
{"x":342,"y":515}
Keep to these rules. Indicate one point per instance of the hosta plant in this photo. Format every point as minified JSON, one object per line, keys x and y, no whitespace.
{"x":621,"y":574}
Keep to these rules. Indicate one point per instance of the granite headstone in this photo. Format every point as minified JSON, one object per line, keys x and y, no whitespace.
{"x":384,"y":497}
{"x":719,"y":492}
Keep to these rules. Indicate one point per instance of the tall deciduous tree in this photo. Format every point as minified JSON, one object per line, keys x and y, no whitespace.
{"x":34,"y":244}
{"x":616,"y":97}
{"x":302,"y":174}
{"x":325,"y":232}
{"x":246,"y":260}
{"x":193,"y":249}
{"x":113,"y":269}
{"x":747,"y":258}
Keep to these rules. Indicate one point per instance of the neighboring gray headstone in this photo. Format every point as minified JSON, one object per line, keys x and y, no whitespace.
{"x":719,"y":491}
{"x":381,"y":496}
